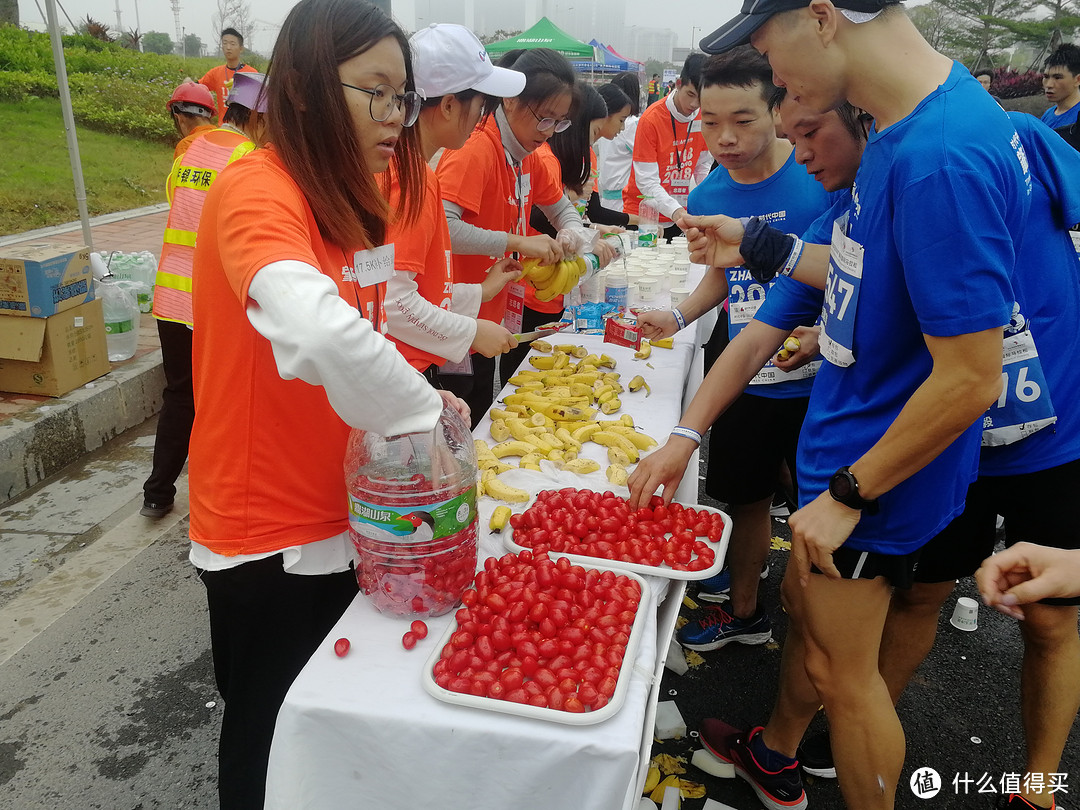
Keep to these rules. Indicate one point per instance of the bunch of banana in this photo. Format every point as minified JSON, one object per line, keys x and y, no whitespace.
{"x":791,"y":345}
{"x":551,"y":280}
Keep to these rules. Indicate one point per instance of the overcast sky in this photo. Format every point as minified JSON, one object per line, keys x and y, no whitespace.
{"x":195,"y":15}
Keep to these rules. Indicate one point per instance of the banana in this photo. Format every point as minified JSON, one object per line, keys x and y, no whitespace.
{"x":642,"y":441}
{"x":618,"y":456}
{"x":567,"y":348}
{"x":482,"y":448}
{"x":664,"y":343}
{"x":652,"y":779}
{"x":570,"y":453}
{"x":610,"y":438}
{"x":639,"y":382}
{"x":504,"y":492}
{"x":535,"y":386}
{"x":611,"y":377}
{"x":540,"y":442}
{"x":497,"y":413}
{"x":590,"y":360}
{"x":611,"y":405}
{"x":499,"y":518}
{"x":792,"y":343}
{"x":584,"y":433}
{"x":541,"y":346}
{"x":627,"y":420}
{"x":499,"y":430}
{"x":512,"y":448}
{"x":658,"y":792}
{"x":606,"y":397}
{"x":567,"y":438}
{"x":553,"y":361}
{"x":530,"y":462}
{"x":580,"y":390}
{"x":492,"y":463}
{"x":582,"y":466}
{"x":556,"y":456}
{"x":579,"y":351}
{"x":645,"y":350}
{"x":569,"y":413}
{"x":606,"y":362}
{"x":617,"y":475}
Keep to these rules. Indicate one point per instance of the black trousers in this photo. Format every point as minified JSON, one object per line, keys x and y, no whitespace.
{"x":264,"y":626}
{"x":477,"y":389}
{"x":177,"y":414}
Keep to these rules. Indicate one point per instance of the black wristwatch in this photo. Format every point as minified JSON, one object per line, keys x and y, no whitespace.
{"x":845,"y":489}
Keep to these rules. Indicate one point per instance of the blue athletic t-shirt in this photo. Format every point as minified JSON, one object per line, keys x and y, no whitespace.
{"x":1047,"y":286}
{"x":789,"y":200}
{"x":1066,"y":119}
{"x":937,"y":200}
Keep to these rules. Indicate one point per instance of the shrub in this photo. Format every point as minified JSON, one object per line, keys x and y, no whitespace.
{"x":1010,"y":83}
{"x":18,"y":85}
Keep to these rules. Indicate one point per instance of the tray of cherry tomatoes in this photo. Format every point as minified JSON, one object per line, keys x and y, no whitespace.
{"x":672,"y":541}
{"x":543,"y":638}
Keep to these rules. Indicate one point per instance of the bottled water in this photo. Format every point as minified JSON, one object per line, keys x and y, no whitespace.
{"x":121,"y":319}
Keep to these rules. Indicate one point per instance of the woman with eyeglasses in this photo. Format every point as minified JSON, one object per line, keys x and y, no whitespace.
{"x":288,"y":277}
{"x":489,"y":187}
{"x":431,"y":318}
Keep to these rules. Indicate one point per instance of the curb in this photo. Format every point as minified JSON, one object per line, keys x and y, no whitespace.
{"x":41,"y":442}
{"x":104,"y":219}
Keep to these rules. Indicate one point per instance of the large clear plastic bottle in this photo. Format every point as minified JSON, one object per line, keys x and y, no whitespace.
{"x":648,"y":223}
{"x":413,"y":516}
{"x":121,"y":319}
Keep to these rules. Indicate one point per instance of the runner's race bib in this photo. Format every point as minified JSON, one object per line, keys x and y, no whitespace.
{"x":744,"y":300}
{"x":841,"y":296}
{"x":1024,"y":406}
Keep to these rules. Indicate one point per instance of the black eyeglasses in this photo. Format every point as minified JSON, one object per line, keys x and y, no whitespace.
{"x":384,"y":101}
{"x":544,"y":124}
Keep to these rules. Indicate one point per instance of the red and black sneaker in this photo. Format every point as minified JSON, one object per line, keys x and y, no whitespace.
{"x":1015,"y":801}
{"x":777,"y":789}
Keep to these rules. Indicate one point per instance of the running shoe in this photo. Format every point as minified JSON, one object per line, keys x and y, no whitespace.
{"x":718,"y":587}
{"x":719,"y":628}
{"x":815,"y":756}
{"x":780,"y":507}
{"x":155,"y":510}
{"x":774,"y":778}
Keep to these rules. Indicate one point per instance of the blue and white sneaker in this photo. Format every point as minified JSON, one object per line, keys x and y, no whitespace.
{"x":718,"y":587}
{"x":719,"y":628}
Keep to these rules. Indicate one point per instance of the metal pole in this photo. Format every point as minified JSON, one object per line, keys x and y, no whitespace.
{"x":69,"y":121}
{"x":138,"y":25}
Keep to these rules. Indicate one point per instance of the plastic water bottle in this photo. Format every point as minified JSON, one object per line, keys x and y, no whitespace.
{"x":413,"y":516}
{"x":146,"y":274}
{"x":121,"y":319}
{"x":648,"y":224}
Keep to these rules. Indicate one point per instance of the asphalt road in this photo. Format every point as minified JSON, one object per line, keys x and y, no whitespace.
{"x":112,"y":705}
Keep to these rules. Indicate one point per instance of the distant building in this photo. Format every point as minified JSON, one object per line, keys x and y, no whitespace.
{"x":648,"y":43}
{"x":461,"y":12}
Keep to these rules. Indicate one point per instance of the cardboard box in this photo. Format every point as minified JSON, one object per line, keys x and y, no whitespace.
{"x":51,"y":356}
{"x":41,"y":280}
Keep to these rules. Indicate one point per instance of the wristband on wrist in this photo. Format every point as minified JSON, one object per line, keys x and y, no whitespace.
{"x":764,"y":249}
{"x":679,"y":319}
{"x":793,"y":257}
{"x":686,"y":433}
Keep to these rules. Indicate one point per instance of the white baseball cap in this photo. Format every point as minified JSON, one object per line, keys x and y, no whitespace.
{"x":449,"y":58}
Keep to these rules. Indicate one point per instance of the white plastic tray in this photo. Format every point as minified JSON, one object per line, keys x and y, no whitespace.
{"x":719,"y":551}
{"x":543,"y":713}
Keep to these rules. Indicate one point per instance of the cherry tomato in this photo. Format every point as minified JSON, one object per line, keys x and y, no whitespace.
{"x":341,"y":647}
{"x":419,"y":628}
{"x":408,"y":641}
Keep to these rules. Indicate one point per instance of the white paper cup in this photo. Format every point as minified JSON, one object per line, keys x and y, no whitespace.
{"x":965,"y":615}
{"x":678,"y":295}
{"x":660,"y":277}
{"x":679,"y":277}
{"x":648,"y":287}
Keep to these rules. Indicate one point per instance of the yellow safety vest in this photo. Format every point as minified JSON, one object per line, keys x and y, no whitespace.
{"x":192,"y":175}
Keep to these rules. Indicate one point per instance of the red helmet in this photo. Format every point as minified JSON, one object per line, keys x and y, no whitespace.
{"x":193,"y":98}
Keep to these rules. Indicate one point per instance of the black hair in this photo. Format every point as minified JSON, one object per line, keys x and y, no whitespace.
{"x":984,"y":72}
{"x":740,"y":67}
{"x":614,"y":98}
{"x":629,"y":83}
{"x":547,"y":74}
{"x":855,"y":121}
{"x":237,"y":114}
{"x":232,"y":32}
{"x":571,"y":146}
{"x":691,"y":70}
{"x":1067,"y":55}
{"x":464,"y":97}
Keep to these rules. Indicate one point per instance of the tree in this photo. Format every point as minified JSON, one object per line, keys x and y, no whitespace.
{"x":9,"y":12}
{"x":231,"y":14}
{"x":936,"y":23}
{"x":157,"y":42}
{"x":498,"y":36}
{"x":193,"y":46}
{"x":131,"y":39}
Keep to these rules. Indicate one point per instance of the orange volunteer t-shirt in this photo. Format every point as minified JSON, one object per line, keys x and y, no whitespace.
{"x":546,"y":159}
{"x":656,"y":142}
{"x":266,"y":453}
{"x":424,"y":248}
{"x":187,"y":140}
{"x":218,"y":80}
{"x":479,"y":178}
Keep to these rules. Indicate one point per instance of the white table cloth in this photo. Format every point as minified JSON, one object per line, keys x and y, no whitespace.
{"x":360,"y":731}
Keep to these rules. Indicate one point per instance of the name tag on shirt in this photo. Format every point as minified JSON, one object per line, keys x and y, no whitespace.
{"x":525,"y":187}
{"x":695,"y":126}
{"x":374,"y":266}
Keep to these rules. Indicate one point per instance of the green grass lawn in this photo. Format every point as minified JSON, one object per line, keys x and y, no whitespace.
{"x":36,"y":187}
